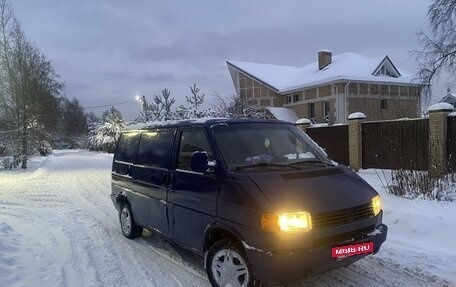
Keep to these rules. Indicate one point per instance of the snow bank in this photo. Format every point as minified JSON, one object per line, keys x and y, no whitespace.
{"x":420,"y":231}
{"x":303,"y":121}
{"x":356,"y":116}
{"x":17,"y":250}
{"x":441,"y":106}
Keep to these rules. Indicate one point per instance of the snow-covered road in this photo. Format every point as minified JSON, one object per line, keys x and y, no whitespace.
{"x":58,"y":227}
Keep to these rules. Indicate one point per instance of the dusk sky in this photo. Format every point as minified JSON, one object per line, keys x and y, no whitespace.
{"x":173,"y":44}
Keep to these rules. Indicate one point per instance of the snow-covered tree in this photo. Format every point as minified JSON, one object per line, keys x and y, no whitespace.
{"x":237,"y":107}
{"x":103,"y":136}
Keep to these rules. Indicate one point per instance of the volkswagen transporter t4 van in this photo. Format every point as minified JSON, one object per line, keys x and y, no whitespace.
{"x":258,"y":199}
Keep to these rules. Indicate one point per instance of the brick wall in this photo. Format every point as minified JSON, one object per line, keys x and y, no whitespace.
{"x":396,"y":108}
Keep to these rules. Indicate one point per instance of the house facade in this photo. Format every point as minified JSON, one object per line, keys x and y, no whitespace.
{"x":331,"y":88}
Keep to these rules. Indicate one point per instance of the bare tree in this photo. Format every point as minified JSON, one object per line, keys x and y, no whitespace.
{"x":29,"y":85}
{"x":438,"y":47}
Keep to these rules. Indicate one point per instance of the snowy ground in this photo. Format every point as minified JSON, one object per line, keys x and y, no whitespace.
{"x":58,"y":227}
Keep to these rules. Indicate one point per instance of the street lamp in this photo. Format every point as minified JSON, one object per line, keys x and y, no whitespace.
{"x":142,"y":101}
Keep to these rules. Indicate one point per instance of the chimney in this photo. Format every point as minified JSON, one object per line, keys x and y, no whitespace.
{"x":324,"y":58}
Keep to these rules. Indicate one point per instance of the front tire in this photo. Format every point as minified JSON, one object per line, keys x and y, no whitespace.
{"x":227,"y":265}
{"x":128,"y":225}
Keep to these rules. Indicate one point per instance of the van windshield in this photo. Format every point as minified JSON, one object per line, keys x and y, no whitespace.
{"x":262,"y":146}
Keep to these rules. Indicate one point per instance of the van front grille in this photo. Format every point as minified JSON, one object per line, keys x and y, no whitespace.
{"x":340,"y":238}
{"x":343,"y":216}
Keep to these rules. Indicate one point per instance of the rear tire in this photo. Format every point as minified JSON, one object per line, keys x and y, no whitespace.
{"x":127,"y":223}
{"x":226,"y":263}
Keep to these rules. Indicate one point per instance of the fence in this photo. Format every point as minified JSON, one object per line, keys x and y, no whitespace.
{"x":417,"y":144}
{"x":396,"y":144}
{"x":334,"y":139}
{"x":451,"y":142}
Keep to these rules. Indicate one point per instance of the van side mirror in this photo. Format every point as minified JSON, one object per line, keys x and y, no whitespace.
{"x":199,"y":162}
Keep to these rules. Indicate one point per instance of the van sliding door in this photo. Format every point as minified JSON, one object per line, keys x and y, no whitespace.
{"x":151,"y":178}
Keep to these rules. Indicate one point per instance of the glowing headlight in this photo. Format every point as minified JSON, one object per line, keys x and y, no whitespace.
{"x":376,"y":205}
{"x":295,"y":221}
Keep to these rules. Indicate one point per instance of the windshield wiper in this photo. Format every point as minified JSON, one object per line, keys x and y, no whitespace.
{"x":265,"y":164}
{"x":311,"y":161}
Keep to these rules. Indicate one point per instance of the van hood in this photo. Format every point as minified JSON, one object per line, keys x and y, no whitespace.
{"x":316,"y":190}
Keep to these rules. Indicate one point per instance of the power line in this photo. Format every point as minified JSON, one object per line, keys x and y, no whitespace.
{"x":141,"y":78}
{"x":109,"y":105}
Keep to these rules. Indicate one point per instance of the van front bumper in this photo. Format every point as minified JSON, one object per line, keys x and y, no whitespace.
{"x":291,"y":265}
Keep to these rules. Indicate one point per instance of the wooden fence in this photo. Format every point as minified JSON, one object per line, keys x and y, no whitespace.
{"x":451,"y":143}
{"x":413,"y":144}
{"x":334,"y":139}
{"x":396,"y":144}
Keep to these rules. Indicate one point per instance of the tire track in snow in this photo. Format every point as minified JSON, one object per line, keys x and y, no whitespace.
{"x":374,"y":271}
{"x":79,"y":186}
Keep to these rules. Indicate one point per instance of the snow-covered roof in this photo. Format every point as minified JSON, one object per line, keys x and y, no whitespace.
{"x":346,"y":66}
{"x":198,"y":122}
{"x":449,"y":96}
{"x":284,"y":114}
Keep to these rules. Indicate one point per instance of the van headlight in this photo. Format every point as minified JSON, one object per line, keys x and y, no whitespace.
{"x":377,"y":205}
{"x":286,"y":222}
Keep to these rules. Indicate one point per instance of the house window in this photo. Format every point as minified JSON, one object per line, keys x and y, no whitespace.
{"x":384,"y":71}
{"x":383,"y":104}
{"x":289,"y":99}
{"x":296,"y":98}
{"x":311,"y":111}
{"x":326,"y":110}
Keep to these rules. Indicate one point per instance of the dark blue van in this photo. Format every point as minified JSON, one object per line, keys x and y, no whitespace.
{"x":257,"y":198}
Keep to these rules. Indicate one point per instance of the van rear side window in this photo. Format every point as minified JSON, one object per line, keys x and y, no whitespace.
{"x":128,"y":145}
{"x":155,"y":148}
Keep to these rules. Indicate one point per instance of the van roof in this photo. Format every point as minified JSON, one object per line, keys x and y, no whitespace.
{"x":203,"y":122}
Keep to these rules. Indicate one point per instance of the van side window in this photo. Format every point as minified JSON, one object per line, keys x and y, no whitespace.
{"x":128,"y":145}
{"x":190,"y":142}
{"x":155,"y":148}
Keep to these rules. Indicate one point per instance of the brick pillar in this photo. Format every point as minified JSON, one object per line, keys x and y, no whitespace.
{"x":303,"y":124}
{"x":355,"y":144}
{"x":437,"y":138}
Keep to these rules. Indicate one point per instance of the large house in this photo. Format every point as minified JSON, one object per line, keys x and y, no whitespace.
{"x":331,"y":88}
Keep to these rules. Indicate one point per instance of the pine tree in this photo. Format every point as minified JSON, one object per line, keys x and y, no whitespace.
{"x":160,"y":108}
{"x":195,"y":100}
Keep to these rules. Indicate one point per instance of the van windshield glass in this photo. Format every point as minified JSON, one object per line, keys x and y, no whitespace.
{"x":263,"y":146}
